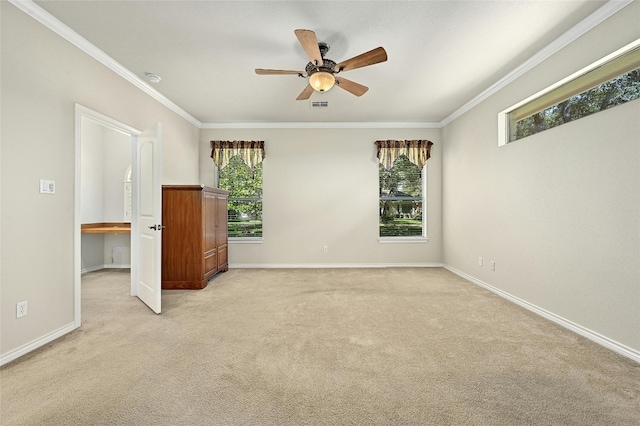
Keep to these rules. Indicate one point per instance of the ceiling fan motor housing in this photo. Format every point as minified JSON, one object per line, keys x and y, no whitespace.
{"x":327,"y":66}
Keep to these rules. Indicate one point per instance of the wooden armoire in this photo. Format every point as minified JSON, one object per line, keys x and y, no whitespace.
{"x":194,"y":239}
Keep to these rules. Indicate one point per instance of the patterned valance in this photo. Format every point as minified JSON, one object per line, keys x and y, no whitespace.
{"x":251,"y":152}
{"x":418,"y":151}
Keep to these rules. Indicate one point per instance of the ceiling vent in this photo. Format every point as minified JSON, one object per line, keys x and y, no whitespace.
{"x":319,"y":104}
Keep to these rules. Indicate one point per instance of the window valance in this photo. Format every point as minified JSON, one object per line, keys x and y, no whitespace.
{"x":418,"y":151}
{"x":251,"y":152}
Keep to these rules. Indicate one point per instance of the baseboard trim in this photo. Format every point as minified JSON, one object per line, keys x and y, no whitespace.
{"x":91,"y":269}
{"x":105,"y":266}
{"x":576,"y":328}
{"x":25,"y":349}
{"x":330,"y":265}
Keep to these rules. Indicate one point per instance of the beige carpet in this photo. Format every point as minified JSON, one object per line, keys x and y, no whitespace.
{"x":317,"y":347}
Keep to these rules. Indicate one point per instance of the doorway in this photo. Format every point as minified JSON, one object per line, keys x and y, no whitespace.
{"x":105,"y":211}
{"x":116,"y":249}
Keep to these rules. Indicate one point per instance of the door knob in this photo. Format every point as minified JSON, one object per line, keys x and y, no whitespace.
{"x":157,"y":227}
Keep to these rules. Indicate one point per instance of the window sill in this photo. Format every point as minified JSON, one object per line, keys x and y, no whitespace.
{"x":245,"y":240}
{"x":403,"y":240}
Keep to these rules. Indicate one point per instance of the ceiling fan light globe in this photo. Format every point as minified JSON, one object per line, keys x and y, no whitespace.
{"x":322,"y":81}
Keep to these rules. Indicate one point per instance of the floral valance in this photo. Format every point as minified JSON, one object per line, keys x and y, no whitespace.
{"x":251,"y":152}
{"x":418,"y":151}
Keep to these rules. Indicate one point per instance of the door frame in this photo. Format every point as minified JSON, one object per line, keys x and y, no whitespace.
{"x":80,"y":113}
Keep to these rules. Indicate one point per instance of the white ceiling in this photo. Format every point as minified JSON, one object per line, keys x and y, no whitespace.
{"x":442,"y":54}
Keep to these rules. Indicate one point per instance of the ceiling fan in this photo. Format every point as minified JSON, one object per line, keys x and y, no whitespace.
{"x":321,"y":71}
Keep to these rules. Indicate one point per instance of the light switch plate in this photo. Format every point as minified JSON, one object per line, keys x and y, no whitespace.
{"x":47,"y":186}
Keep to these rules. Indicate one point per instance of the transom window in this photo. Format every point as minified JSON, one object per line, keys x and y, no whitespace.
{"x":609,"y":82}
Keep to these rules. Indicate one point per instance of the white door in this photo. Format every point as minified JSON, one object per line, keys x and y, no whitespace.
{"x":147,"y":231}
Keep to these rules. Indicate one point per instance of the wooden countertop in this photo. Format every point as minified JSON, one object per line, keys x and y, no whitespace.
{"x":106,"y":228}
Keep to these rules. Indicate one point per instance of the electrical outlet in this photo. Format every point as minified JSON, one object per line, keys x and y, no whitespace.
{"x":480,"y":261}
{"x":47,"y":186}
{"x":325,"y":249}
{"x":493,"y":265}
{"x":21,"y":309}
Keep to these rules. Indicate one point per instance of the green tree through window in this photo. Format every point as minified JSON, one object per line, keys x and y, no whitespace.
{"x":245,"y":197}
{"x":401,"y":199}
{"x":611,"y":93}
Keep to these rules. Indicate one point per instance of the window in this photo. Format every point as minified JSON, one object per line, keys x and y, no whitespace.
{"x":607,"y":83}
{"x":401,"y":199}
{"x":239,"y":166}
{"x":245,"y":197}
{"x":402,"y":189}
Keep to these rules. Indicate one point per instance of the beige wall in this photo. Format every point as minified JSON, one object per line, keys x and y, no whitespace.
{"x":320,"y":188}
{"x":559,"y":212}
{"x":92,"y":167}
{"x":42,"y":77}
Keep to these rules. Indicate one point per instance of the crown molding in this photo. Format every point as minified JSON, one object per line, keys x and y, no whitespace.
{"x":58,"y":27}
{"x":325,"y":125}
{"x":606,"y":11}
{"x":51,"y":22}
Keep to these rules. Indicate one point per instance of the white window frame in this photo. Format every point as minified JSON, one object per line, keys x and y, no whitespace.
{"x":415,"y":239}
{"x":563,"y":89}
{"x":241,"y":240}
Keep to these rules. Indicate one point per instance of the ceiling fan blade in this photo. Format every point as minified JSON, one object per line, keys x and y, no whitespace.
{"x":351,"y":87}
{"x":371,"y":57}
{"x":309,"y":42}
{"x":306,"y":93}
{"x":277,"y":72}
